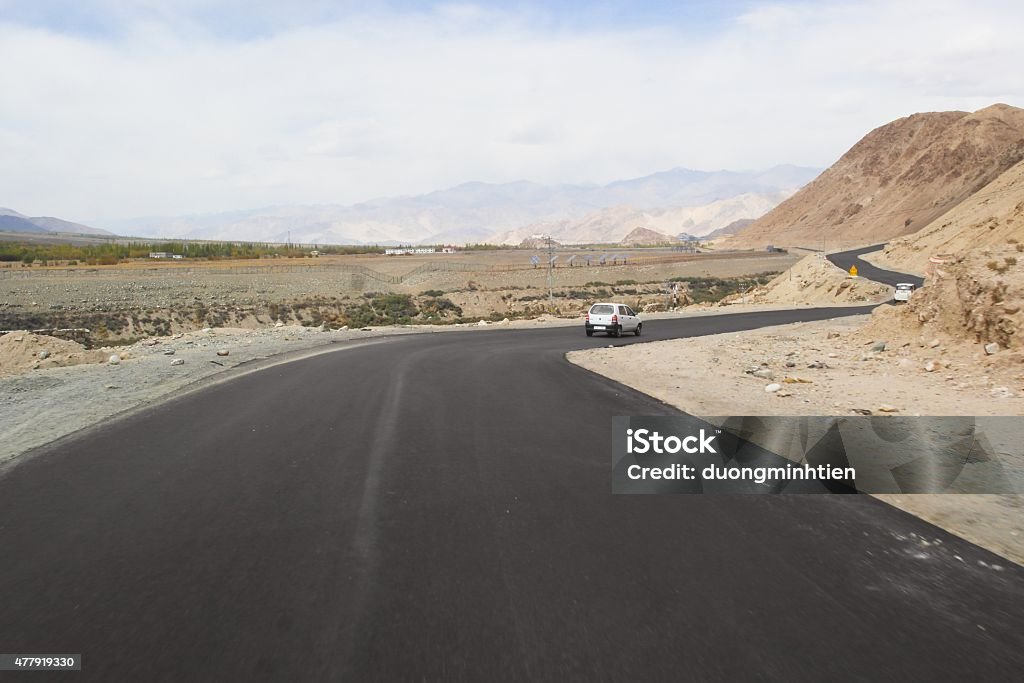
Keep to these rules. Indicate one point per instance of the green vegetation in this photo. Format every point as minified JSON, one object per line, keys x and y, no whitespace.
{"x":111,"y":253}
{"x":399,"y":309}
{"x":711,"y":289}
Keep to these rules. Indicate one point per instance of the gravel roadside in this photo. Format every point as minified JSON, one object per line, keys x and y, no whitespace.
{"x":837,"y":368}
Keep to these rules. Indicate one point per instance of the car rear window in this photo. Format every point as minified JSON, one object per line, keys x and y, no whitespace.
{"x":601,"y":310}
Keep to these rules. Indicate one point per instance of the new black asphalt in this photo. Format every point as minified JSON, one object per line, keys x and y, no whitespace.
{"x":438,"y":507}
{"x":845,"y":259}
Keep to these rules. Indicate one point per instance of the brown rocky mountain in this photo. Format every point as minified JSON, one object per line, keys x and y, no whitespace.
{"x":731,"y":229}
{"x":639,"y":236}
{"x":896,"y":180}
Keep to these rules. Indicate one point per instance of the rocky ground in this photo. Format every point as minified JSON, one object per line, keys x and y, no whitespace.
{"x":125,"y":303}
{"x":814,"y":281}
{"x":852,"y":366}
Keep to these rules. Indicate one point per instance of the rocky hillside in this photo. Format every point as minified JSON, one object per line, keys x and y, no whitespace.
{"x":991,"y":217}
{"x":896,"y":180}
{"x":977,"y":299}
{"x":814,"y":281}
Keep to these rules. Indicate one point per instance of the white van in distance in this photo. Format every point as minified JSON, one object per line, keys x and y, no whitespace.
{"x":903,"y":292}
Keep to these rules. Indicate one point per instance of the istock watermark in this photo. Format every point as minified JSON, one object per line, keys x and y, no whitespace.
{"x":646,"y":441}
{"x":858,"y":454}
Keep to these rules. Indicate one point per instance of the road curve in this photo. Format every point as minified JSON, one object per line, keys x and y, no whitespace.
{"x":845,"y":259}
{"x":438,"y":507}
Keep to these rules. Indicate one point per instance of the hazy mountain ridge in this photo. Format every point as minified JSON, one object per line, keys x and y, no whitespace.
{"x":896,"y":180}
{"x":12,"y":221}
{"x":613,"y":224}
{"x":478,"y":211}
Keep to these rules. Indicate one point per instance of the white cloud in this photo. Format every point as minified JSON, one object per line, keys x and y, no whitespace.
{"x":168,"y":119}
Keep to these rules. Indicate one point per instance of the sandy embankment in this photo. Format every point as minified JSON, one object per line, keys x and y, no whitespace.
{"x":839,"y":367}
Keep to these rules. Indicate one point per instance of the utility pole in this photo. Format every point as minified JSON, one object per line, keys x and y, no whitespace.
{"x":551,"y":270}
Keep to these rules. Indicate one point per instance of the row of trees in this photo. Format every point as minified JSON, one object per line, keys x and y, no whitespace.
{"x":114,"y":252}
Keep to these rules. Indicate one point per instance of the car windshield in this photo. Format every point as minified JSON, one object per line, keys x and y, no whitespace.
{"x":601,"y":310}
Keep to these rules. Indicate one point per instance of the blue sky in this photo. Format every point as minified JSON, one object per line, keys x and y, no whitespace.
{"x":115,"y":109}
{"x":241,"y":19}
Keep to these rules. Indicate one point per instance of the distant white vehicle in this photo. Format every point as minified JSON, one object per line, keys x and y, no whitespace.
{"x":903,"y":292}
{"x":612,"y":319}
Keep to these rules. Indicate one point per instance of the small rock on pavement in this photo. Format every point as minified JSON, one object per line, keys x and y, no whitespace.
{"x":879,"y":346}
{"x":124,"y":355}
{"x":168,"y":352}
{"x":886,"y":408}
{"x":178,"y":361}
{"x":861,"y":411}
{"x":783,"y":393}
{"x":763,"y":373}
{"x":991,"y":348}
{"x":44,"y":354}
{"x":930,"y":366}
{"x":114,"y":360}
{"x":832,"y":335}
{"x":222,"y":352}
{"x":1001,"y":392}
{"x":933,"y":344}
{"x":772,"y":388}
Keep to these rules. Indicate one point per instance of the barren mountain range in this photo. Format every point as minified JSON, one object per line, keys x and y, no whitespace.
{"x":897,"y":180}
{"x":12,"y":221}
{"x":614,"y":223}
{"x":671,"y":201}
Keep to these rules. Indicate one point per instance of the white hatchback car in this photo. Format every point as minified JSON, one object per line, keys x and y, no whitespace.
{"x":613,"y":319}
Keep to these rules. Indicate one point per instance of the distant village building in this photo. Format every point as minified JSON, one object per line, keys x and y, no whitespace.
{"x":164,"y":254}
{"x":405,"y":251}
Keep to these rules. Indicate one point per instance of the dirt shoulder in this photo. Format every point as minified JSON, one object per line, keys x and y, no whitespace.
{"x":839,"y":367}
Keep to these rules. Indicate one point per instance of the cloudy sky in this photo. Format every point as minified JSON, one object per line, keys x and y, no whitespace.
{"x":114,"y":109}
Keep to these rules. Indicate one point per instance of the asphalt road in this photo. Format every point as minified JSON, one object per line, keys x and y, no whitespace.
{"x":438,"y":507}
{"x":845,"y":259}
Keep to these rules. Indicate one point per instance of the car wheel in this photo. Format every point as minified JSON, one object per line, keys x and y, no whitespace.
{"x":590,"y":333}
{"x":637,"y":330}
